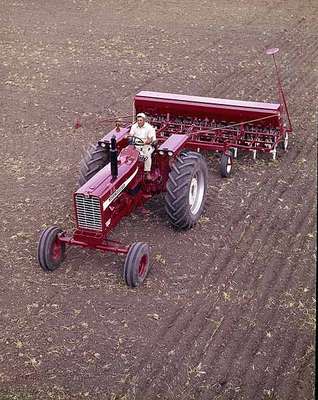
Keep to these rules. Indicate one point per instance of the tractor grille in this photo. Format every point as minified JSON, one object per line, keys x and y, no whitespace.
{"x":88,"y":212}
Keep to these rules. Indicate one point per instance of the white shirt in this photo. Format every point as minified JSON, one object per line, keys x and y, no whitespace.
{"x":145,"y":132}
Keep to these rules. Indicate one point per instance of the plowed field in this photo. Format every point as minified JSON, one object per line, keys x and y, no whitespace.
{"x":228,"y":310}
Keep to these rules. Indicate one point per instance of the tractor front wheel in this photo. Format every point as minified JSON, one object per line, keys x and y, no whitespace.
{"x":51,"y":250}
{"x":136,"y":266}
{"x":95,"y":158}
{"x":186,"y":190}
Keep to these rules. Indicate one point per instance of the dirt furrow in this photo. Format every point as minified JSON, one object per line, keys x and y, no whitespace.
{"x":291,"y":380}
{"x":246,"y":350}
{"x":288,"y":47}
{"x":195,"y":320}
{"x":279,"y":361}
{"x":201,"y":329}
{"x":276,"y":281}
{"x":280,"y":194}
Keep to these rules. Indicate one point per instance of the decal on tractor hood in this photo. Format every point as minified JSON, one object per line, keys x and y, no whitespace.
{"x":117,"y":192}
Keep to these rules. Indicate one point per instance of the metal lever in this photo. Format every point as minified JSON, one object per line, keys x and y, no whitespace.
{"x":272,"y":52}
{"x":113,"y":157}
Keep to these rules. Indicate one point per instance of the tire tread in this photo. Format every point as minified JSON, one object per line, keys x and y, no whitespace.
{"x":176,"y":196}
{"x":94,"y":159}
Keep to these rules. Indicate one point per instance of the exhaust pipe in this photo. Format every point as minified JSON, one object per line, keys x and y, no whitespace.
{"x":113,"y":157}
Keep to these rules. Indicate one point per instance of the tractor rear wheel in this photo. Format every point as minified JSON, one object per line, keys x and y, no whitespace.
{"x":95,"y":158}
{"x":51,"y":251}
{"x":136,"y":265}
{"x":226,"y":165}
{"x":186,"y":190}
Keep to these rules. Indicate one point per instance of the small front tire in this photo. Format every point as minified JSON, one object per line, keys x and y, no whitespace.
{"x":136,"y":265}
{"x":51,"y":250}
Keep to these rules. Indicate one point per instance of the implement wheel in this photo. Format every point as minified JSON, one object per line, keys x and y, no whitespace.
{"x":136,"y":265}
{"x":284,"y":143}
{"x":186,"y":190}
{"x":226,"y":165}
{"x":95,"y":158}
{"x":51,"y":251}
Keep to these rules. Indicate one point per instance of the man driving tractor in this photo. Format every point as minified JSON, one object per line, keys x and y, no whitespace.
{"x":147,"y":135}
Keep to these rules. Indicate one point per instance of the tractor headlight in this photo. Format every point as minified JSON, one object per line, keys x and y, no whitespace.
{"x":170,"y":153}
{"x":161,"y":152}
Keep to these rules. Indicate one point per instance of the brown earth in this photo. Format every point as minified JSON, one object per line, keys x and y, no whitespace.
{"x":228,"y":310}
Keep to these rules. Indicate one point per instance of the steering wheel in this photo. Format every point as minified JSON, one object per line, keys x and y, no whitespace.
{"x":136,"y":141}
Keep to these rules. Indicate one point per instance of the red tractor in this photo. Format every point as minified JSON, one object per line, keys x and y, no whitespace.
{"x":112,"y":176}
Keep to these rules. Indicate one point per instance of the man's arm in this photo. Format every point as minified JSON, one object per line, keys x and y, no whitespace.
{"x":151,"y":137}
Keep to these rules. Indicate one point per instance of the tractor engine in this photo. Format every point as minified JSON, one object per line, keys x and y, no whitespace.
{"x":102,"y":201}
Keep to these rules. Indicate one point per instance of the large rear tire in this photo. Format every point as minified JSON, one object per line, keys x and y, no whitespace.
{"x":136,"y":266}
{"x":95,"y":158}
{"x":50,"y":251}
{"x":186,"y":190}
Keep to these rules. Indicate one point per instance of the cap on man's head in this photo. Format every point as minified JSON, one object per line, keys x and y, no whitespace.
{"x":141,"y":115}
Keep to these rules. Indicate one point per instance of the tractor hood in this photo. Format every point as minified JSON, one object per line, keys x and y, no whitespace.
{"x":104,"y":186}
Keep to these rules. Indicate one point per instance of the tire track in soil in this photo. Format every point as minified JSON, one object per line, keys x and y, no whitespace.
{"x":280,"y":42}
{"x":256,"y":337}
{"x":188,"y":319}
{"x":197,"y":324}
{"x":292,"y":48}
{"x":313,"y":199}
{"x":251,"y":285}
{"x":257,"y":372}
{"x":297,"y":346}
{"x":293,"y":344}
{"x":297,"y":58}
{"x":231,"y":322}
{"x":290,"y":385}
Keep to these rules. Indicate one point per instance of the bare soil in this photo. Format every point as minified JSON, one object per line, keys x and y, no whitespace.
{"x":228,"y":310}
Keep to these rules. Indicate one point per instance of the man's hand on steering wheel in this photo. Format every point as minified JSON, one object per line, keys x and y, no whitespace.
{"x":136,"y":141}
